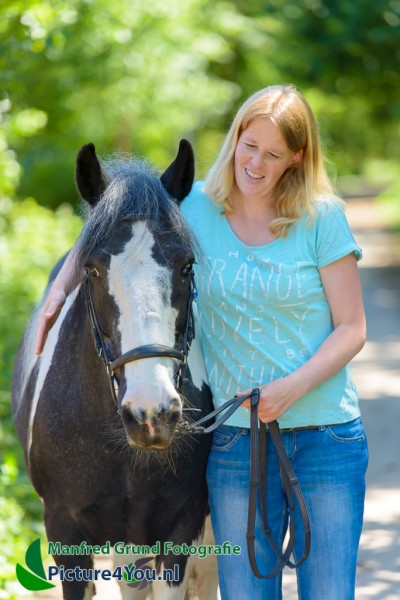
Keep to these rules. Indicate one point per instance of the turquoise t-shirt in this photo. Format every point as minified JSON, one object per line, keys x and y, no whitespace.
{"x":263,"y":311}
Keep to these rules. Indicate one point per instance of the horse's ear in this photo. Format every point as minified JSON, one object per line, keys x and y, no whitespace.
{"x":90,"y":179}
{"x":178,"y":178}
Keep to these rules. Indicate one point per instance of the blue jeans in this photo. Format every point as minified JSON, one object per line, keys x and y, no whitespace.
{"x":330,"y":463}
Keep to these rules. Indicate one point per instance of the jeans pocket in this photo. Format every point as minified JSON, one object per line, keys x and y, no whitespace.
{"x":225,"y":437}
{"x":347,"y":433}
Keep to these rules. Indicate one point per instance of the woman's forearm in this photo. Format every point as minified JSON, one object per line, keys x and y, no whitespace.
{"x":333,"y":355}
{"x":335,"y":352}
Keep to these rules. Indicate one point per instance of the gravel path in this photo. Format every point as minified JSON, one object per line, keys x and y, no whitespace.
{"x":376,"y":372}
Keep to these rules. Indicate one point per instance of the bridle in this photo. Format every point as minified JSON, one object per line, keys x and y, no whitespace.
{"x":148,"y":350}
{"x":258,"y":445}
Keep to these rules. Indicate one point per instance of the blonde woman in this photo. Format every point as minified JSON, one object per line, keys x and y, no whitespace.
{"x":281,"y":309}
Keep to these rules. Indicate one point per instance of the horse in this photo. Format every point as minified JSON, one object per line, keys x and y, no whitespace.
{"x":99,"y":413}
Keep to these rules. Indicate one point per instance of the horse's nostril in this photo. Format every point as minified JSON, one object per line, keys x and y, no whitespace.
{"x":174,"y":417}
{"x":175,"y":404}
{"x":169,"y":413}
{"x":141,"y":414}
{"x":132,"y":418}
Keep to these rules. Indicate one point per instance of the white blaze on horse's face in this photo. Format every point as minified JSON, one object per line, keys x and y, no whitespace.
{"x":142,"y":291}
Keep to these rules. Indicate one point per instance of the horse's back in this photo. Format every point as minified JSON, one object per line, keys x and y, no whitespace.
{"x":29,"y":368}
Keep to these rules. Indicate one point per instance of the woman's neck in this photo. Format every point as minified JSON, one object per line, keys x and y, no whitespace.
{"x":250,"y":221}
{"x":254,"y":209}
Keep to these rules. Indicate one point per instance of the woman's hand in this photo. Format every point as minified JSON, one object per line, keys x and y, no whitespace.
{"x":276,"y":397}
{"x":54,"y":302}
{"x":48,"y":314}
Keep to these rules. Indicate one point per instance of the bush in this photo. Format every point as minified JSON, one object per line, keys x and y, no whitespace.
{"x":32,"y":238}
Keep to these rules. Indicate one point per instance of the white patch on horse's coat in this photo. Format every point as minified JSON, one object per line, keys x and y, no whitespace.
{"x":28,"y":357}
{"x":135,"y":278}
{"x":163,"y":591}
{"x":122,"y":560}
{"x":195,"y":360}
{"x":46,"y":359}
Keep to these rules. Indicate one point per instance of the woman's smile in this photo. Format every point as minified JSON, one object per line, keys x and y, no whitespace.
{"x":253,"y":175}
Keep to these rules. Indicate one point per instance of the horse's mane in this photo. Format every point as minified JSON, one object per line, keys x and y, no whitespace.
{"x":134,"y":190}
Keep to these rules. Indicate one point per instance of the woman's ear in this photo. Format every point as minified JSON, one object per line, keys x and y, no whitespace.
{"x":296,"y":158}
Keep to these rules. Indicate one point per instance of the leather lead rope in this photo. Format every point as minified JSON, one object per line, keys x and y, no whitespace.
{"x":258,"y":479}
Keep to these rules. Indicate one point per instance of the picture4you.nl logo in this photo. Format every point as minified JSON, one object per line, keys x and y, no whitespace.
{"x":137,"y":575}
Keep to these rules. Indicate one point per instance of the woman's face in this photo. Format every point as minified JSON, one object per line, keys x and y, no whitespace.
{"x":261,"y":158}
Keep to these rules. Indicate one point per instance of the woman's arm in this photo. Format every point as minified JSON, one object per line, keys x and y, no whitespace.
{"x":342,"y":287}
{"x":54,"y":302}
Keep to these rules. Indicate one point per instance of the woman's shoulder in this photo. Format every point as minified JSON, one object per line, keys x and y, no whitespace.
{"x":326,"y":205}
{"x":332,"y":233}
{"x":198,"y":203}
{"x":325,"y":211}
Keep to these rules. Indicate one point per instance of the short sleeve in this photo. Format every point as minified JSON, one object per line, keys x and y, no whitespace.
{"x":334,"y":239}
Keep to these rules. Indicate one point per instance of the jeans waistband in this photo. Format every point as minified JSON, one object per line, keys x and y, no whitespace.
{"x":246,"y":430}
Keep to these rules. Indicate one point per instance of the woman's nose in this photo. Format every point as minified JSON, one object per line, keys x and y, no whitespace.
{"x":257,"y":161}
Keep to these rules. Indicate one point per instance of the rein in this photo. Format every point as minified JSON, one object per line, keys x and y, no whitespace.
{"x":258,"y":478}
{"x":258,"y":445}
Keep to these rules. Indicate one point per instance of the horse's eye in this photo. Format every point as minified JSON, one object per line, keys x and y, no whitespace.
{"x":93,"y":272}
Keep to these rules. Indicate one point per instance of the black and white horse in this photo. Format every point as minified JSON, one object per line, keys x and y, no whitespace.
{"x":124,"y":473}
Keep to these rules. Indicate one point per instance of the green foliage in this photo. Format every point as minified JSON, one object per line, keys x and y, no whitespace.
{"x":127,"y":75}
{"x":31,"y":240}
{"x":21,"y":520}
{"x":344,"y":56}
{"x":136,"y":76}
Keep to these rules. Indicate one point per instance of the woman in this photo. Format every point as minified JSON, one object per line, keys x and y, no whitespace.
{"x":280,"y":308}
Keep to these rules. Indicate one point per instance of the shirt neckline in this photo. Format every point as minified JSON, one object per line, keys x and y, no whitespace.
{"x":243,"y":244}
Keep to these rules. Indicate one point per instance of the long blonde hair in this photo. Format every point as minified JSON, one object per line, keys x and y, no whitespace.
{"x":301,"y":186}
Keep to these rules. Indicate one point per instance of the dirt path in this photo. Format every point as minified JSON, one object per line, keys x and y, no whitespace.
{"x":377,"y":374}
{"x":376,"y":371}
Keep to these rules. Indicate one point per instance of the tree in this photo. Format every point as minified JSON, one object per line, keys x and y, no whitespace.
{"x":344,"y":56}
{"x":125,"y":74}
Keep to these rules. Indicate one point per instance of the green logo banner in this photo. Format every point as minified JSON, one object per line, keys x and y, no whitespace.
{"x":34,"y":580}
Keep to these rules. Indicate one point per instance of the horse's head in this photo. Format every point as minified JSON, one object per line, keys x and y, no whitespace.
{"x":137,"y":254}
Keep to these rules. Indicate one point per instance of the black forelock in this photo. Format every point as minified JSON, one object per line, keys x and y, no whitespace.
{"x":136,"y":192}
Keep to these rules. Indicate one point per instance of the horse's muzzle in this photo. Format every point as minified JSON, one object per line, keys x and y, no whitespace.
{"x":153,"y":428}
